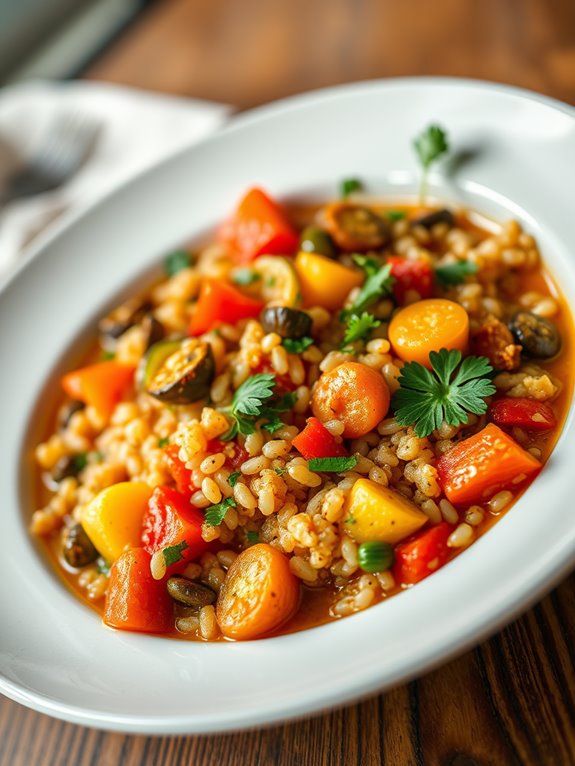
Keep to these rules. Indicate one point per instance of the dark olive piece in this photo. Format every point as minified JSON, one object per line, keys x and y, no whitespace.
{"x":122,"y":318}
{"x":439,"y":216}
{"x":153,"y":330}
{"x":315,"y":240}
{"x":182,"y":375}
{"x":67,"y":466}
{"x":77,"y":547}
{"x":190,"y":593}
{"x":67,"y":410}
{"x":355,"y":228}
{"x":286,"y":322}
{"x":538,"y":337}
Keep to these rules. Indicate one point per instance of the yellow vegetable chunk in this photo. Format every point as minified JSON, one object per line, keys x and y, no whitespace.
{"x":375,"y":512}
{"x":325,"y":282}
{"x":113,"y":519}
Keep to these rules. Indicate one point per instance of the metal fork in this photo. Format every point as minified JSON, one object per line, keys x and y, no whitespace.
{"x":64,"y":149}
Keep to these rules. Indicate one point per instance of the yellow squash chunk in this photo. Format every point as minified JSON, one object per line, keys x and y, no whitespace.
{"x":375,"y":512}
{"x":325,"y":282}
{"x":113,"y":519}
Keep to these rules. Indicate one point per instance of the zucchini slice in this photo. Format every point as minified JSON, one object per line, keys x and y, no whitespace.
{"x":178,"y":372}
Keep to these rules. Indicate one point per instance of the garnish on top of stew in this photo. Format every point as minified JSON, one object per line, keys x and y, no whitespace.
{"x":305,"y":417}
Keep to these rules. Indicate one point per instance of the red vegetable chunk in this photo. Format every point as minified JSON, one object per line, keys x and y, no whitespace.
{"x":181,"y":475}
{"x":258,"y":226}
{"x":171,"y":520}
{"x":134,"y":600}
{"x":220,"y":302}
{"x":424,"y":554}
{"x":524,"y":413}
{"x":316,"y":441}
{"x":410,"y":275}
{"x":483,"y":464}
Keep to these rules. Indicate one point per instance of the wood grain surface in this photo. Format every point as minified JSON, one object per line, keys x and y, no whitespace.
{"x":511,"y":701}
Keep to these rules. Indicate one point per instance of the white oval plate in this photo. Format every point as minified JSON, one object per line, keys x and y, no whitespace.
{"x":55,"y":656}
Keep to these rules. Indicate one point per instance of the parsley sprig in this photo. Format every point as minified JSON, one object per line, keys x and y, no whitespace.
{"x":254,"y":400}
{"x":173,"y":553}
{"x":454,"y":273}
{"x":378,"y":283}
{"x":446,"y":393}
{"x":332,"y":464}
{"x":214,"y":515}
{"x":297,"y":345}
{"x":359,"y":327}
{"x":430,"y":145}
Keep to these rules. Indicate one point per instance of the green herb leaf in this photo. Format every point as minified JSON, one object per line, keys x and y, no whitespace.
{"x":296,"y":345}
{"x":233,"y":478}
{"x":245,"y":277}
{"x":107,"y":356}
{"x":103,"y":567}
{"x":332,"y":464}
{"x":251,"y":395}
{"x":454,"y":273}
{"x":429,"y":146}
{"x":280,"y":471}
{"x":447,"y":393}
{"x":252,"y":537}
{"x":98,"y":456}
{"x":350,"y":185}
{"x":214,"y":515}
{"x":395,"y":215}
{"x":359,"y":328}
{"x":173,"y":553}
{"x":163,"y":442}
{"x":177,"y":262}
{"x":254,"y":401}
{"x":377,"y":284}
{"x":80,"y":461}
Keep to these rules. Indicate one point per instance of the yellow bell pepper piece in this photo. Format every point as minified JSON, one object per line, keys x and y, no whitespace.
{"x":325,"y":282}
{"x":375,"y":512}
{"x":113,"y":519}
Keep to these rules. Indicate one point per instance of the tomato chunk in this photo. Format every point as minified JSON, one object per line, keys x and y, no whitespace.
{"x":258,"y":226}
{"x":524,"y":413}
{"x":483,"y":464}
{"x":180,"y":474}
{"x":171,"y":520}
{"x":424,"y":554}
{"x":316,"y":441}
{"x":220,"y":302}
{"x":134,"y":600}
{"x":410,"y":275}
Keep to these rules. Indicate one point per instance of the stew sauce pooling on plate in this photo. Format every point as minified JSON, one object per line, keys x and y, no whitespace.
{"x":322,"y":408}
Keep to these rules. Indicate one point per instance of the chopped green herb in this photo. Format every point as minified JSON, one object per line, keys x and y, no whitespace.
{"x":280,"y":471}
{"x":332,"y":464}
{"x":350,"y":185}
{"x":429,"y":146}
{"x":98,"y":456}
{"x":252,"y":537}
{"x":173,"y":553}
{"x":359,"y":328}
{"x":245,"y":276}
{"x":378,"y":283}
{"x":107,"y":356}
{"x":163,"y":442}
{"x":395,"y":215}
{"x":271,"y":282}
{"x":297,"y":345}
{"x":254,"y":401}
{"x":214,"y":515}
{"x":447,"y":393}
{"x":80,"y":461}
{"x":177,"y":262}
{"x":233,"y":478}
{"x":454,"y":273}
{"x":350,"y":520}
{"x":103,"y":567}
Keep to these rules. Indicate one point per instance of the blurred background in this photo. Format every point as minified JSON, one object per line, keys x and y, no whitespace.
{"x":246,"y":52}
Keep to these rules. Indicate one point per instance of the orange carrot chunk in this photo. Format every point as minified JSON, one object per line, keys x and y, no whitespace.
{"x":483,"y":464}
{"x":258,"y":595}
{"x":426,"y":326}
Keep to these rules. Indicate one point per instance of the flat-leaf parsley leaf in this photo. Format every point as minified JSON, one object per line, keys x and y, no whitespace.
{"x":332,"y":464}
{"x":377,"y":284}
{"x":359,"y":327}
{"x":454,"y":273}
{"x":430,"y":145}
{"x":447,"y":393}
{"x":173,"y":553}
{"x":297,"y":345}
{"x":176,"y":262}
{"x":214,"y":515}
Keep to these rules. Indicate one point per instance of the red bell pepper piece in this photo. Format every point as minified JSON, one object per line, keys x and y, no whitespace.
{"x":99,"y":385}
{"x":483,"y":464}
{"x":220,"y":302}
{"x":171,"y":520}
{"x":316,"y":441}
{"x":410,"y":275}
{"x":134,"y":600}
{"x":181,"y":475}
{"x":524,"y":413}
{"x":258,"y":226}
{"x":424,"y":554}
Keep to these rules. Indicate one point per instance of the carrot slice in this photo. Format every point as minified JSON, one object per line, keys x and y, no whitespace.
{"x":258,"y":595}
{"x":99,"y":385}
{"x":426,"y":326}
{"x":483,"y":464}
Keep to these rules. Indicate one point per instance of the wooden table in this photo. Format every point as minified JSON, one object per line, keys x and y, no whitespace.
{"x":511,"y":700}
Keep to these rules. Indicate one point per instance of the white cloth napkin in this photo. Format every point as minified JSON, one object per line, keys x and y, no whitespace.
{"x":137,"y":129}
